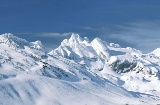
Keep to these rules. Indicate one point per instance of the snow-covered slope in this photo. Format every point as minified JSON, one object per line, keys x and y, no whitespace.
{"x":79,"y":71}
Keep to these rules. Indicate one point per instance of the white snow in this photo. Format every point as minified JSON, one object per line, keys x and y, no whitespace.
{"x":78,"y":72}
{"x":112,"y":59}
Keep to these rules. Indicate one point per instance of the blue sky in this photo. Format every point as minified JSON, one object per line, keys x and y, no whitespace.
{"x":132,"y":23}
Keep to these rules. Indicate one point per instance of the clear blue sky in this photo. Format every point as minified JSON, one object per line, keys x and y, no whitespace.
{"x":132,"y":23}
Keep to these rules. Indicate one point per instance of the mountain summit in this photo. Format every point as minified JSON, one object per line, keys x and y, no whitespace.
{"x":12,"y":41}
{"x":97,"y":72}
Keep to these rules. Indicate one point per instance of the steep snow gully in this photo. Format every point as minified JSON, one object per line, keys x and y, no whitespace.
{"x":78,"y":72}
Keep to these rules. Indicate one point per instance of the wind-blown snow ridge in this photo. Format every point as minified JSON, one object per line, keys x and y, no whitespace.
{"x":97,"y":72}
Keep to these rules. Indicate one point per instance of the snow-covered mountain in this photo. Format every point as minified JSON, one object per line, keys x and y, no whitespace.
{"x":79,"y":71}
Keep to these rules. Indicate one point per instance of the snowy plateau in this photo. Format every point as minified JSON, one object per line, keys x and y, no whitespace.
{"x":78,"y":72}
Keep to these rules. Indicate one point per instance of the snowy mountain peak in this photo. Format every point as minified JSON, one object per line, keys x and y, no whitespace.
{"x":10,"y":37}
{"x":101,"y":48}
{"x":75,"y":38}
{"x":83,"y":51}
{"x":86,"y":39}
{"x":7,"y":35}
{"x":13,"y":41}
{"x":156,"y":52}
{"x":99,"y":44}
{"x":38,"y":45}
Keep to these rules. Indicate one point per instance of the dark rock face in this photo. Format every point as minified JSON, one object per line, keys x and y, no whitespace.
{"x":123,"y":66}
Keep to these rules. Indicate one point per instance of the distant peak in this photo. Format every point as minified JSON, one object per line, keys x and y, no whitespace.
{"x":86,"y":39}
{"x":38,"y":43}
{"x":74,"y":35}
{"x":97,"y":39}
{"x":98,"y":42}
{"x":75,"y":38}
{"x":156,"y":52}
{"x":7,"y":35}
{"x":13,"y":41}
{"x":11,"y":37}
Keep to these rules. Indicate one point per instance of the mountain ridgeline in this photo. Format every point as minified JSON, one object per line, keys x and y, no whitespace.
{"x":76,"y":60}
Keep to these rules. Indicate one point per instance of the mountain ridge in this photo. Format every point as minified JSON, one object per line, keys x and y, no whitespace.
{"x":80,"y":66}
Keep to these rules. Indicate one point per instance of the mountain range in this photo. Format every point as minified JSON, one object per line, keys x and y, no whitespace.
{"x":78,"y":72}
